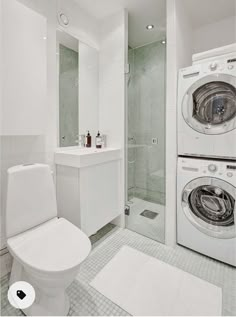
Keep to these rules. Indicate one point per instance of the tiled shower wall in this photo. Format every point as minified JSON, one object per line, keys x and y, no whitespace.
{"x":146,"y":121}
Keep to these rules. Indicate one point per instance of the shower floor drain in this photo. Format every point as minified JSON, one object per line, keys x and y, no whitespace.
{"x":149,"y":214}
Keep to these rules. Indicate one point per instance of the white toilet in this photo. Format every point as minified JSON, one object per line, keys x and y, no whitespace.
{"x":47,"y":250}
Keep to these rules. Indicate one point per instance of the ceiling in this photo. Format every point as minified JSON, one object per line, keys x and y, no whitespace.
{"x":141,"y":13}
{"x":144,"y":12}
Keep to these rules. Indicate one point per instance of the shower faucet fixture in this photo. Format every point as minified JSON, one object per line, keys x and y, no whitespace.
{"x":131,"y":139}
{"x":154,"y":141}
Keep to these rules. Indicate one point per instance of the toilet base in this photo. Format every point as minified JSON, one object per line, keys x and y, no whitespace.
{"x":49,"y":301}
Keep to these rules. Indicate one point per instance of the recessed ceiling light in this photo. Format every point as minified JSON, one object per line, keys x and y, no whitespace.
{"x":150,"y":27}
{"x":163,"y":41}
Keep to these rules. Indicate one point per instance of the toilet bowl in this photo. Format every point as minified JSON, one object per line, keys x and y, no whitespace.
{"x":47,"y":251}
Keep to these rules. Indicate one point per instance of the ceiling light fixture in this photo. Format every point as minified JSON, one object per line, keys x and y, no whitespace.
{"x":150,"y":27}
{"x":163,"y":41}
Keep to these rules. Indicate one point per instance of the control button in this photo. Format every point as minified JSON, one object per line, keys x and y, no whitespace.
{"x":229,"y":174}
{"x":21,"y":295}
{"x":212,"y":168}
{"x":213,"y":66}
{"x":230,"y":67}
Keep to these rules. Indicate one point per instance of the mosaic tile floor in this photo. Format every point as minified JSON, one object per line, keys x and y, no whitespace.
{"x":86,"y":301}
{"x":151,"y":228}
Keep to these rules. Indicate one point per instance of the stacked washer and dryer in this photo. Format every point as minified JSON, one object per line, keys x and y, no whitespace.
{"x":206,"y":177}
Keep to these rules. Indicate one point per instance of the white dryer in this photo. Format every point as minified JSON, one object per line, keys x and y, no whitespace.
{"x":206,"y":207}
{"x":207,"y":105}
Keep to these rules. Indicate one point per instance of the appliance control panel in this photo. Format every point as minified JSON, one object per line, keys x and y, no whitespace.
{"x":224,"y":65}
{"x":208,"y":168}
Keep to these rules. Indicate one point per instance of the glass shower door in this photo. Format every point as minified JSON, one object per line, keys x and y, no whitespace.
{"x":146,"y":141}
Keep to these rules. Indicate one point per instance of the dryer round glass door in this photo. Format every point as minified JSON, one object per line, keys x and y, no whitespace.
{"x":209,"y":204}
{"x":209,"y":106}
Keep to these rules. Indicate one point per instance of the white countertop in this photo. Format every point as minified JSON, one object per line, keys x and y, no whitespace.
{"x":82,"y":157}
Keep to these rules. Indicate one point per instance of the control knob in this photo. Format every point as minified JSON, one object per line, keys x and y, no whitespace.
{"x":212,"y":168}
{"x":213,"y":66}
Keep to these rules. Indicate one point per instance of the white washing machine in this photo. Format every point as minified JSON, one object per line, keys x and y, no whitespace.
{"x":207,"y":105}
{"x":206,"y":207}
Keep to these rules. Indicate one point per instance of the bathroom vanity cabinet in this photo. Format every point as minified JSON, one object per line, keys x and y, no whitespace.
{"x":88,"y":186}
{"x":24,"y":69}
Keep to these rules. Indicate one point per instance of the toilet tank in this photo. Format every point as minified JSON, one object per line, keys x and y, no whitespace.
{"x":31,"y":198}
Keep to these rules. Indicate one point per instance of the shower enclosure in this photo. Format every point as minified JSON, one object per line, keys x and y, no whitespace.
{"x":146,"y":141}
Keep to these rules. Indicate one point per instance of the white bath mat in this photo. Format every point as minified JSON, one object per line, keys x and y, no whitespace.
{"x":145,"y":286}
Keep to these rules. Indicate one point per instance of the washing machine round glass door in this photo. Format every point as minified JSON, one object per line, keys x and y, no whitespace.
{"x":209,"y":204}
{"x":209,"y":105}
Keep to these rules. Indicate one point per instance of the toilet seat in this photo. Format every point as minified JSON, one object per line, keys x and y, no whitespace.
{"x":53,"y":247}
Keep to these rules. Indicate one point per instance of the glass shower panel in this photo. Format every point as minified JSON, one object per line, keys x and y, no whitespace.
{"x":146,"y":141}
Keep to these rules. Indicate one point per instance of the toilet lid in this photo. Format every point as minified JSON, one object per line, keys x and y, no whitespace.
{"x":54,"y":246}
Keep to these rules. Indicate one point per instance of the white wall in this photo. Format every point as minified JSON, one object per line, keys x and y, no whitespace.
{"x":82,"y":26}
{"x":200,"y":38}
{"x":27,"y":149}
{"x":112,"y":59}
{"x":179,"y":54}
{"x":214,"y":35}
{"x":184,"y":36}
{"x":112,"y":79}
{"x":30,"y":60}
{"x":171,"y":137}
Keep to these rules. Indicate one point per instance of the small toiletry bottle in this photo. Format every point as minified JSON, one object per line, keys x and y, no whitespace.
{"x":98,"y":141}
{"x":88,"y":140}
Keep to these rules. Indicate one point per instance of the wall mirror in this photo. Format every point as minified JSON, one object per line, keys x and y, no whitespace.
{"x":77,"y":88}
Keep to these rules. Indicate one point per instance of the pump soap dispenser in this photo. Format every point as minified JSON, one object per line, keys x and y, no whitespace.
{"x":88,"y":140}
{"x":98,"y":141}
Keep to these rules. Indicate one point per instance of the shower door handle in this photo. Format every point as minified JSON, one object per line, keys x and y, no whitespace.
{"x":127,"y":210}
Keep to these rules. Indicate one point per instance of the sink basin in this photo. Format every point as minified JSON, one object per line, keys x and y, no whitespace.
{"x":77,"y":157}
